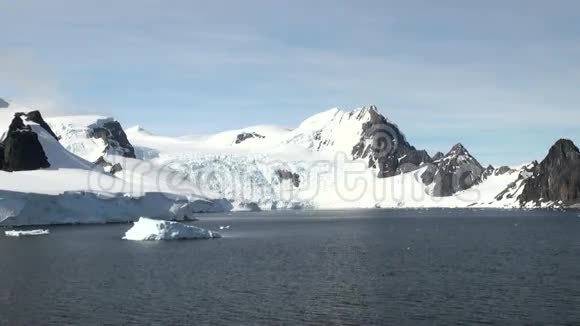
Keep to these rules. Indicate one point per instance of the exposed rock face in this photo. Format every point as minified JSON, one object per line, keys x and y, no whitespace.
{"x":288,"y":175}
{"x":101,"y":161}
{"x":3,"y":104}
{"x":556,"y":178}
{"x":438,"y":156}
{"x":413,"y":160}
{"x":36,"y":117}
{"x":112,"y":133}
{"x":22,"y":149}
{"x":385,"y":146}
{"x":116,"y":168}
{"x":1,"y":156}
{"x":107,"y":166}
{"x":456,"y":171}
{"x":515,"y":188}
{"x":492,"y":171}
{"x":503,"y":170}
{"x":247,"y":135}
{"x":489,"y":171}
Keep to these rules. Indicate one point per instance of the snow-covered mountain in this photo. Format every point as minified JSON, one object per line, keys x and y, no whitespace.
{"x":328,"y":153}
{"x":555,"y":180}
{"x":92,"y":136}
{"x":454,"y":172}
{"x":41,"y":182}
{"x":335,"y":159}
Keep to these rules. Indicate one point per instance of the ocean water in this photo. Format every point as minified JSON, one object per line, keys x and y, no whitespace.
{"x":370,"y":267}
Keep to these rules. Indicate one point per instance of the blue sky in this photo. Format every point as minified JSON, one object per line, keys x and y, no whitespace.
{"x":502,"y":77}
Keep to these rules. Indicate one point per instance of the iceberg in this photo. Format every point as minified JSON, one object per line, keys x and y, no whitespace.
{"x":15,"y":233}
{"x":146,"y":229}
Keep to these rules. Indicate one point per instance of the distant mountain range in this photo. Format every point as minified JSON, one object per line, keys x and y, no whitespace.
{"x":268,"y":167}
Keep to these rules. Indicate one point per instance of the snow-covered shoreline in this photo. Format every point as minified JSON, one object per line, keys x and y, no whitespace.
{"x":20,"y":209}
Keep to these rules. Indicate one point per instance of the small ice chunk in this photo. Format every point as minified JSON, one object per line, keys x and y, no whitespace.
{"x":227,"y":227}
{"x":16,"y":233}
{"x":149,"y":229}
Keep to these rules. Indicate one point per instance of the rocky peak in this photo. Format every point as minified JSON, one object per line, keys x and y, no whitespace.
{"x":112,"y":133}
{"x":369,"y":111}
{"x":454,"y":172}
{"x":556,"y":178}
{"x":385,"y":146}
{"x":438,"y":156}
{"x":36,"y":117}
{"x":3,"y":104}
{"x":458,"y":150}
{"x":563,"y":149}
{"x":21,"y":150}
{"x":489,"y":170}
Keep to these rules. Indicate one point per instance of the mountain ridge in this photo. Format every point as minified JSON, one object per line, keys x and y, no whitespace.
{"x":252,"y":157}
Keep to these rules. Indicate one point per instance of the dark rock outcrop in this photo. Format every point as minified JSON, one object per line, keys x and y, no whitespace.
{"x":438,"y":156}
{"x":288,"y":175}
{"x":107,"y":166}
{"x":3,"y":104}
{"x":556,"y":178}
{"x":116,"y":168}
{"x":22,"y":149}
{"x":1,"y":156}
{"x":413,"y":160}
{"x":489,"y":171}
{"x":101,"y":161}
{"x":514,"y":188}
{"x":456,"y":171}
{"x":36,"y":117}
{"x":503,"y":170}
{"x":385,"y":146}
{"x":247,"y":135}
{"x":112,"y":133}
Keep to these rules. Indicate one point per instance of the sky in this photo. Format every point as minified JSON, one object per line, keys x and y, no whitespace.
{"x":501,"y":77}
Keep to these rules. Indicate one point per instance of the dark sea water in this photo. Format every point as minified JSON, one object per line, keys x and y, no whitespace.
{"x":371,"y":267}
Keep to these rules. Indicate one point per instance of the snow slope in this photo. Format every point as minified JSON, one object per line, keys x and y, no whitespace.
{"x":58,"y":156}
{"x":322,"y":135}
{"x":74,"y":133}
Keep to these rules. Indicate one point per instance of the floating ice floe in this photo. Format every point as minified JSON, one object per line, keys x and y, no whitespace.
{"x":227,"y":227}
{"x":15,"y":233}
{"x":149,"y":229}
